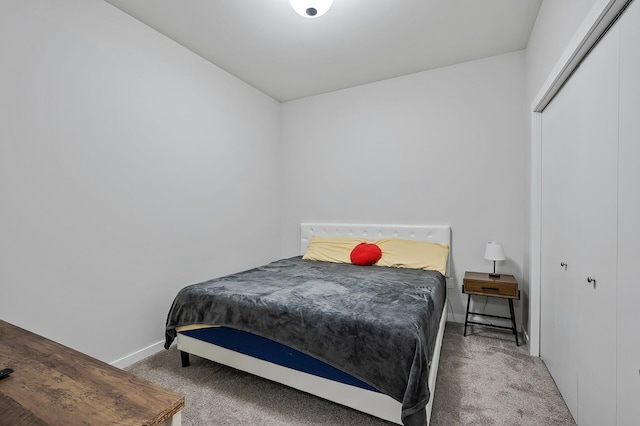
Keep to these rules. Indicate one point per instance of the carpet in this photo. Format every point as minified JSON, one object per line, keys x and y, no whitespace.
{"x":483,"y":379}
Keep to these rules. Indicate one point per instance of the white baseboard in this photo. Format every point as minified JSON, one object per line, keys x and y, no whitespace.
{"x":457,"y":318}
{"x":138,"y":355}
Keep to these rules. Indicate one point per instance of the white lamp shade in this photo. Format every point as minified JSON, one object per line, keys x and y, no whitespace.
{"x":494,"y":251}
{"x":311,"y":8}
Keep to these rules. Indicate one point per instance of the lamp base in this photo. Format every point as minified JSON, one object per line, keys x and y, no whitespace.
{"x":494,"y":275}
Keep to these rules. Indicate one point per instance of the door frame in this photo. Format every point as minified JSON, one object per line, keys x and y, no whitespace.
{"x":596,"y":23}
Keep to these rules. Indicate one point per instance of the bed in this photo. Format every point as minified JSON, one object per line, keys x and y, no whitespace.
{"x":365,"y":337}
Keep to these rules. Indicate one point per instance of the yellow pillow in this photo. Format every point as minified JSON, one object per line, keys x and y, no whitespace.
{"x":330,"y":249}
{"x":413,"y":254}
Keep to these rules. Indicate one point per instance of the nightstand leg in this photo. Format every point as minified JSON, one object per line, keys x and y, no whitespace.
{"x":466,"y":317}
{"x":513,"y":321}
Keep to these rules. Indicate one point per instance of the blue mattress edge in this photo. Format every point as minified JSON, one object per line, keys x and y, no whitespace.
{"x":268,"y":350}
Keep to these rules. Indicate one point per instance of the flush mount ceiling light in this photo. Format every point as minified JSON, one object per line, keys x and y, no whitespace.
{"x":311,"y":8}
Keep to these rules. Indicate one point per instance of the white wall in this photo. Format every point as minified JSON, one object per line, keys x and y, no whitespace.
{"x":129,"y":167}
{"x":126,"y":161}
{"x":447,"y":146}
{"x":557,"y":23}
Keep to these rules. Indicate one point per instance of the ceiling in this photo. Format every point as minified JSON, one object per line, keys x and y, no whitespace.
{"x":266,"y":44}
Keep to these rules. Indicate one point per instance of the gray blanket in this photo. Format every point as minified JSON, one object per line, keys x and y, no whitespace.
{"x":378,"y":324}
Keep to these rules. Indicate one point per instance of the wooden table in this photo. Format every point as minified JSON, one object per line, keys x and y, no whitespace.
{"x":483,"y":284}
{"x":56,"y":385}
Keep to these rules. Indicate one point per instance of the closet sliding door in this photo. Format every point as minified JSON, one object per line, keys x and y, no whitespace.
{"x":628,"y":361}
{"x":579,"y":236}
{"x":559,"y":296}
{"x":590,"y":244}
{"x":597,"y":239}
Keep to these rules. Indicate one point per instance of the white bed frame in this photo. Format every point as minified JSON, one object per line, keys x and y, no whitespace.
{"x":374,"y":403}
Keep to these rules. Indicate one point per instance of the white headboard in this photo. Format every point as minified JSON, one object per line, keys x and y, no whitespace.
{"x":440,"y":234}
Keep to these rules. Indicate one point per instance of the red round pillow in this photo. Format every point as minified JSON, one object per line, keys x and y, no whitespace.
{"x":365,"y":254}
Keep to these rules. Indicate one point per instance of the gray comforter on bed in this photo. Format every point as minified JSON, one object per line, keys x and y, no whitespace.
{"x":378,"y":324}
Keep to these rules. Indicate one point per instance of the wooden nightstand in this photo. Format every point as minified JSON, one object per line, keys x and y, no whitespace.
{"x":481,"y":284}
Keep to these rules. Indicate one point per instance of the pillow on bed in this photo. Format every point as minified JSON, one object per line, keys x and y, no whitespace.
{"x":365,"y":254}
{"x":331,"y":249}
{"x":398,"y":253}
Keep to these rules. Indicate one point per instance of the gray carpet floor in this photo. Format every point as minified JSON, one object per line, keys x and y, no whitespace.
{"x":483,"y":379}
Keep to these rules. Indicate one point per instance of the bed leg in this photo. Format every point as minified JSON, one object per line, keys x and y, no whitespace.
{"x":184,"y":356}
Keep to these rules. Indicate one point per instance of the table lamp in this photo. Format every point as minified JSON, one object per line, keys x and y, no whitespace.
{"x":494,"y":251}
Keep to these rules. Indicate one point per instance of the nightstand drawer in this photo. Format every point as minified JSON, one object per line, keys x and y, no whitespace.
{"x":491,"y":288}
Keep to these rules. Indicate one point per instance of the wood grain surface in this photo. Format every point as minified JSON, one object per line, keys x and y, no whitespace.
{"x":482,"y":284}
{"x":56,"y":385}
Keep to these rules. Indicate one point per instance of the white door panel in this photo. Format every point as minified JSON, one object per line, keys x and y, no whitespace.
{"x":579,"y":228}
{"x":558,"y":290}
{"x":628,"y":361}
{"x":597,"y":232}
